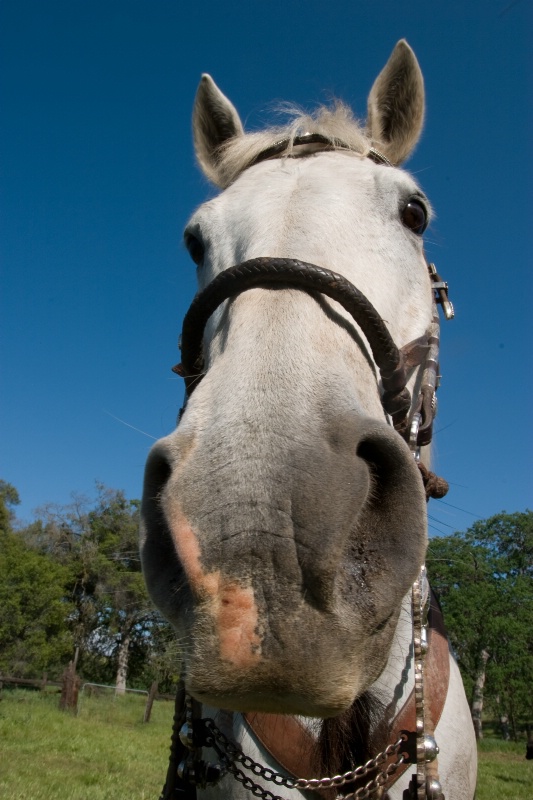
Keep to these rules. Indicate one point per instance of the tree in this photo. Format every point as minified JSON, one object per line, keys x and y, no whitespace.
{"x":113,"y":621}
{"x":484,"y":580}
{"x":33,"y":609}
{"x":8,"y":498}
{"x":125,"y":610}
{"x":72,"y":581}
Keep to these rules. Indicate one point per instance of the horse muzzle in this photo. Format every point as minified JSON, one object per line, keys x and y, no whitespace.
{"x":283,"y":582}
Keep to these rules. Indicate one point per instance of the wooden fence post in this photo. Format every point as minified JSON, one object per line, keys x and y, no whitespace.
{"x":70,"y":686}
{"x":150,"y":701}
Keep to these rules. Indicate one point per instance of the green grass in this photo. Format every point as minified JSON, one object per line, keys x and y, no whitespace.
{"x":504,"y":773}
{"x":107,"y":753}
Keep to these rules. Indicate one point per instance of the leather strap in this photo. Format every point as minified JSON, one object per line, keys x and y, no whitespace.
{"x":285,"y":738}
{"x":292,"y":745}
{"x":436,"y":680}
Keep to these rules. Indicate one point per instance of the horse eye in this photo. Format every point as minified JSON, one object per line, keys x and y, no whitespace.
{"x":195,"y":247}
{"x":415,"y":216}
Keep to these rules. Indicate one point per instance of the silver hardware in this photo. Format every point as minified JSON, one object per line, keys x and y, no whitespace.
{"x":424,"y":641}
{"x":417,"y":610}
{"x":433,"y":789}
{"x":413,"y":432}
{"x":423,"y":786}
{"x":431,"y":747}
{"x":441,"y":293}
{"x":185,"y":735}
{"x":201,"y":773}
{"x":447,"y":307}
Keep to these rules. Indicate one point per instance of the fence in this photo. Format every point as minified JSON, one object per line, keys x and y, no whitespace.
{"x":100,"y":701}
{"x":30,"y":683}
{"x":73,"y":692}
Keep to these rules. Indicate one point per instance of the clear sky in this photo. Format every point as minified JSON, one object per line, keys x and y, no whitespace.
{"x":98,"y":180}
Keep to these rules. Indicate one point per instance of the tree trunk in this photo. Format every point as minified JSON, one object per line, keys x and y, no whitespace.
{"x":477,"y":700}
{"x":122,"y":665}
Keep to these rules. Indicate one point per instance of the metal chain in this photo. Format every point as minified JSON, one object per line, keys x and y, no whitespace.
{"x":224,"y":747}
{"x":252,"y":787}
{"x":365,"y":792}
{"x":422,"y":787}
{"x":227,"y":748}
{"x":339,"y":780}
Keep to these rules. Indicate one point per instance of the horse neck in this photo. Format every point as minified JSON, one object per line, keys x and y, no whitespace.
{"x":397,"y":679}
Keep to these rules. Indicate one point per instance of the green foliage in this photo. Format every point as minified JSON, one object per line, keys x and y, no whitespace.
{"x":8,"y":497}
{"x":33,"y":609}
{"x":72,"y":580}
{"x":484,"y":580}
{"x":113,"y":618}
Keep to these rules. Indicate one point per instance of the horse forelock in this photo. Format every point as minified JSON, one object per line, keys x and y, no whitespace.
{"x":335,"y":123}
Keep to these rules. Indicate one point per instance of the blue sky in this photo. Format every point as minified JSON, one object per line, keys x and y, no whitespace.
{"x":98,"y":180}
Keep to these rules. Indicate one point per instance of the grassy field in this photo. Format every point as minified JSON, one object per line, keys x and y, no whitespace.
{"x":504,"y":773}
{"x":107,"y":753}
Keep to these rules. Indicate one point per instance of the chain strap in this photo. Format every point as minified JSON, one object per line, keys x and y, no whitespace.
{"x":197,"y":733}
{"x":230,"y":754}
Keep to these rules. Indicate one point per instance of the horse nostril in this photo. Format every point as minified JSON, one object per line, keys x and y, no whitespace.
{"x":378,"y":461}
{"x":156,"y":476}
{"x":396,"y":501}
{"x":157,"y":473}
{"x":161,"y":568}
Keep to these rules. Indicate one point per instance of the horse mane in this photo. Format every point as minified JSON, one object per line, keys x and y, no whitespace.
{"x":335,"y":123}
{"x":352,"y":739}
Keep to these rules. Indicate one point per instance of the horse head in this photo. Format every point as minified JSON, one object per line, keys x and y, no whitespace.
{"x":284,"y":519}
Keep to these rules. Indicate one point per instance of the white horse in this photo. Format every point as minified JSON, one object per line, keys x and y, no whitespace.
{"x":284,"y":520}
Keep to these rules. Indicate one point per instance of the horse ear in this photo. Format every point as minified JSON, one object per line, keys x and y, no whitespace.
{"x":396,"y":105}
{"x":214,"y":121}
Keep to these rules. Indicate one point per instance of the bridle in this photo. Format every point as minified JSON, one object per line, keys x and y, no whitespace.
{"x":415,"y":423}
{"x":412,"y":420}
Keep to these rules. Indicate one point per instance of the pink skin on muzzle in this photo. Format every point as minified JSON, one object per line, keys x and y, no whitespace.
{"x":232,"y":606}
